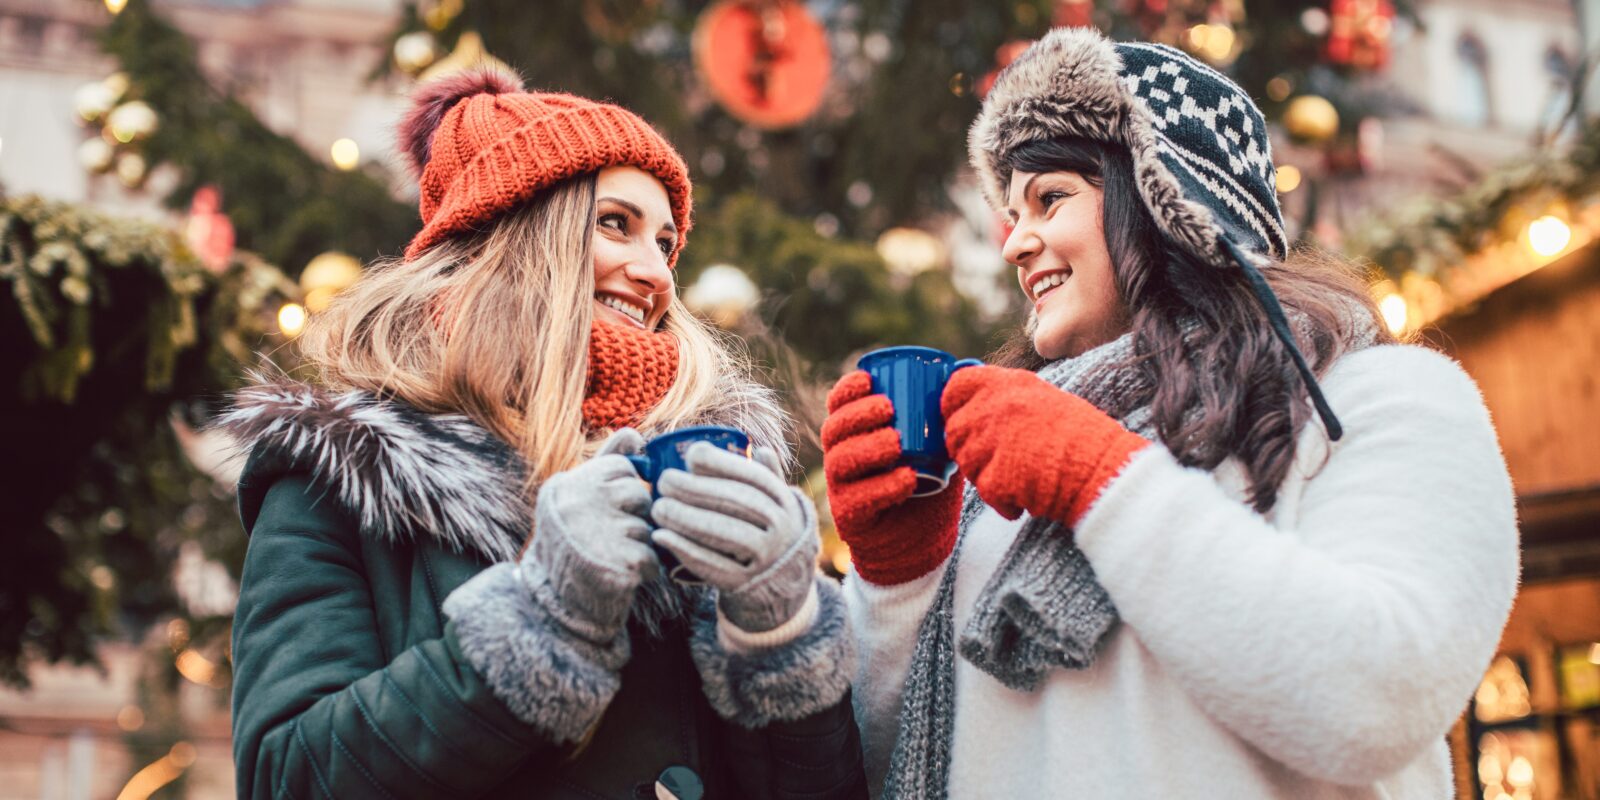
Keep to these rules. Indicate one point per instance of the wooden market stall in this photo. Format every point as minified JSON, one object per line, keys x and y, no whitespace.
{"x":1533,"y":346}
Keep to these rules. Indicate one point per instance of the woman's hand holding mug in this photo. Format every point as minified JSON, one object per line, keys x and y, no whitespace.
{"x":1029,"y":446}
{"x":893,"y":536}
{"x":591,"y":543}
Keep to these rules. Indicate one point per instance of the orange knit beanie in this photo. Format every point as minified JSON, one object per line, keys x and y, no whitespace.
{"x":482,"y":146}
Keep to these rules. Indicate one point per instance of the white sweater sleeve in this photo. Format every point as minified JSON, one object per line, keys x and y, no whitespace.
{"x":1345,"y":642}
{"x":885,"y":621}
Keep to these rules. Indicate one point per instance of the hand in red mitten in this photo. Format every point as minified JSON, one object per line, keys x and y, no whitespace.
{"x":893,"y":536}
{"x":1028,"y":446}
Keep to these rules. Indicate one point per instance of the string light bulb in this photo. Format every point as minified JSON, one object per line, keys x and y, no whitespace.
{"x":724,"y":293}
{"x":292,"y":319}
{"x":346,"y":154}
{"x":1548,"y":235}
{"x":1288,"y":178}
{"x":1395,"y":313}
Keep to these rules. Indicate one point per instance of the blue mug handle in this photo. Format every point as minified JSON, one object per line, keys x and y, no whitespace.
{"x":966,"y":362}
{"x":641,"y":464}
{"x":675,"y":569}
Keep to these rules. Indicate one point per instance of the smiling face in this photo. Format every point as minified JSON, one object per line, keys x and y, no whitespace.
{"x":1058,"y":246}
{"x":634,"y":237}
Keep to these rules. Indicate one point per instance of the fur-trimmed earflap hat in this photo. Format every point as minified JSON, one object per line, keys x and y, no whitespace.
{"x":480,"y":146}
{"x":1201,"y":155}
{"x":1202,"y":158}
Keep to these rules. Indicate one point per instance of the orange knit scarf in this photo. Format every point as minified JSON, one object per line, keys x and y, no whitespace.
{"x":630,"y":370}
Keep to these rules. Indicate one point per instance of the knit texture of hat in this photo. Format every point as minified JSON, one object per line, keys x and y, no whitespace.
{"x":482,"y":146}
{"x":629,"y":372}
{"x":1201,"y":154}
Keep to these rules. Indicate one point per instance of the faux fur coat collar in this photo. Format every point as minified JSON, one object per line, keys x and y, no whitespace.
{"x":402,"y":473}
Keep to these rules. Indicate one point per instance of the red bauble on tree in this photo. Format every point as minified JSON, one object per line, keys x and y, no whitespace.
{"x":1073,"y":14}
{"x":766,"y":61}
{"x":1007,"y":53}
{"x":1358,"y":33}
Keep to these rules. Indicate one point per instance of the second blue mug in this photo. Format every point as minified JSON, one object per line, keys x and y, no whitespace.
{"x":666,"y":452}
{"x":913,"y":378}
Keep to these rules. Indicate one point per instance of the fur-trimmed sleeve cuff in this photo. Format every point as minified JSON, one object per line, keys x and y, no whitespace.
{"x":558,"y":683}
{"x":795,"y":680}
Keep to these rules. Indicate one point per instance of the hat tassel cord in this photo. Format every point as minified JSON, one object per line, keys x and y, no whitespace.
{"x":1280,"y":326}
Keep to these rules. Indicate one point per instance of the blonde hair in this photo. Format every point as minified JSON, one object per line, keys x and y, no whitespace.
{"x":485,"y":325}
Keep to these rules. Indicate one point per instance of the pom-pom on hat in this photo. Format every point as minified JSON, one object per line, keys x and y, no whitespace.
{"x":481,"y":146}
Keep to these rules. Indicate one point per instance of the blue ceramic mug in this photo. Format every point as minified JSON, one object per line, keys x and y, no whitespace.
{"x":913,"y":378}
{"x":666,"y":452}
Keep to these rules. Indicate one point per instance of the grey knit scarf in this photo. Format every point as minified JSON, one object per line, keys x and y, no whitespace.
{"x":1043,"y":608}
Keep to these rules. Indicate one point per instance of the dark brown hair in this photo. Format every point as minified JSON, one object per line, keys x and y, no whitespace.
{"x":1229,"y":365}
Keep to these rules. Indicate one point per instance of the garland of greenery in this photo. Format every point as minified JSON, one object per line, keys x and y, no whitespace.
{"x":112,"y":324}
{"x":1435,"y":237}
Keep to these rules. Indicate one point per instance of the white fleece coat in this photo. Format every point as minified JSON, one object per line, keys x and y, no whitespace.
{"x":1320,"y":651}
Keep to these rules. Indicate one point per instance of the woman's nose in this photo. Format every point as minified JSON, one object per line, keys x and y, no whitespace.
{"x":651,"y":272}
{"x":1021,"y":245}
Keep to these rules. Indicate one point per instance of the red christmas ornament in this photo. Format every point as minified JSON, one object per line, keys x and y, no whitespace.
{"x":1002,"y":229}
{"x":209,"y":232}
{"x":1073,"y":14}
{"x":1358,"y":33}
{"x":765,"y":61}
{"x":1007,"y":53}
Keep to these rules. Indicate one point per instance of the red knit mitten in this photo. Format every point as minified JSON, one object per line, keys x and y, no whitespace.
{"x":893,"y":536}
{"x":1029,"y":446}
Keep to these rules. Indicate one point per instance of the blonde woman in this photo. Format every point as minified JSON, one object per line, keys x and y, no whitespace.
{"x":452,"y":586}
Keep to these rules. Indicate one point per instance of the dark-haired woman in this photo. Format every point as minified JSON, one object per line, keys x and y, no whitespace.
{"x":1218,"y":534}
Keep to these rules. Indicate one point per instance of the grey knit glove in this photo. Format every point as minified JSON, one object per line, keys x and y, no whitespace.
{"x":736,"y":524}
{"x":591,"y":539}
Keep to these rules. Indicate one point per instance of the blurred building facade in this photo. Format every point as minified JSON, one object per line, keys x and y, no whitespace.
{"x":1476,"y":83}
{"x":1533,"y":728}
{"x":304,"y":66}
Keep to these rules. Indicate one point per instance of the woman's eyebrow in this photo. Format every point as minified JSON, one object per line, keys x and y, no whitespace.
{"x":1011,"y":211}
{"x":638,"y":212}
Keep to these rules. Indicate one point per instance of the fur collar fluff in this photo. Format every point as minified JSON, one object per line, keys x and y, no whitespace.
{"x":403,"y":473}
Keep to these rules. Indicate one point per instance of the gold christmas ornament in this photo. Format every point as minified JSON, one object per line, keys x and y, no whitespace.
{"x":909,"y":251}
{"x":724,"y":293}
{"x":439,"y":13}
{"x":118,"y":83}
{"x":93,"y":101}
{"x":327,"y":275}
{"x":131,"y":169}
{"x":1311,"y":119}
{"x":132,"y":121}
{"x":95,"y":155}
{"x":414,"y":51}
{"x":469,"y":52}
{"x":1215,"y":43}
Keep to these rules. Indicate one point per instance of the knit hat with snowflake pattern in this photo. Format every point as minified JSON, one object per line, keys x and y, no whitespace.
{"x":1201,"y":155}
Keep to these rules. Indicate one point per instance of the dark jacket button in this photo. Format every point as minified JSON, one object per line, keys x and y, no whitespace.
{"x":679,"y":783}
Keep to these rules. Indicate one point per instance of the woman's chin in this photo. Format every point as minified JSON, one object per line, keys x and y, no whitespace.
{"x":1051,"y":345}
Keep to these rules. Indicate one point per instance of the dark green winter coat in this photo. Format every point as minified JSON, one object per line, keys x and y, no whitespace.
{"x":352,"y":680}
